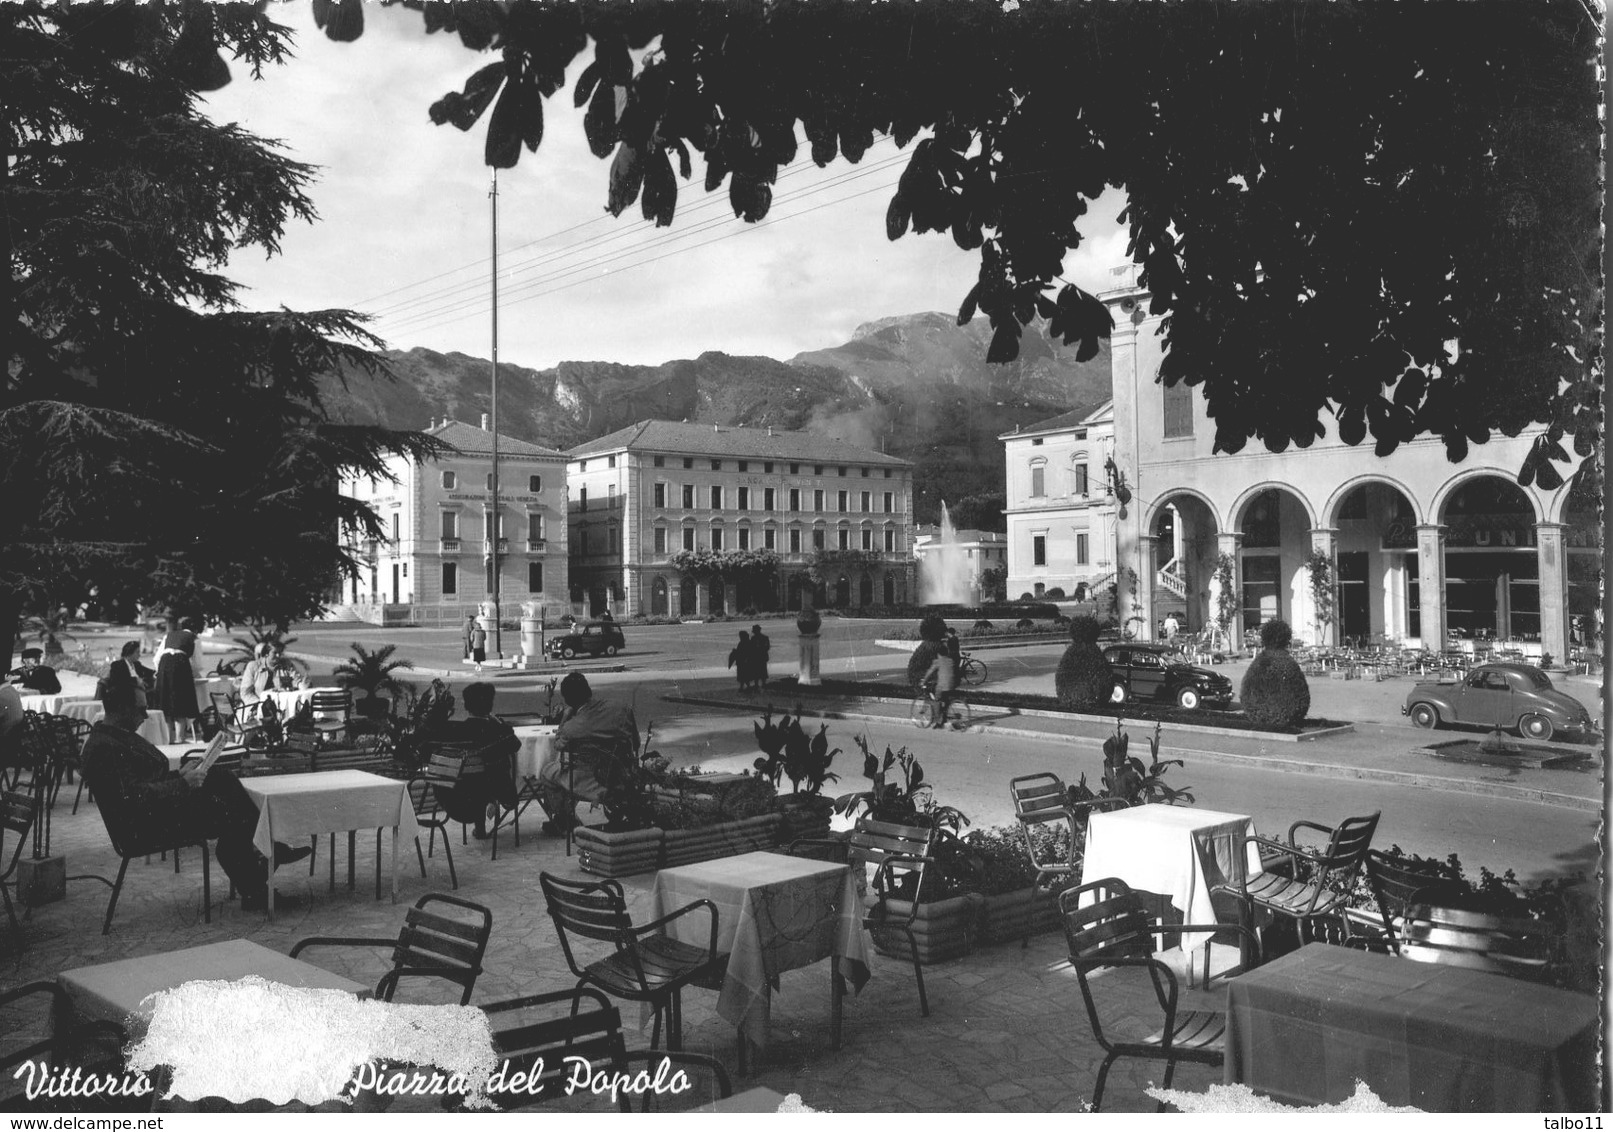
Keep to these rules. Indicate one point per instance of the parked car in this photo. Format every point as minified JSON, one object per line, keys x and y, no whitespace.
{"x":1153,"y":672}
{"x":591,"y":638}
{"x":1506,"y":695}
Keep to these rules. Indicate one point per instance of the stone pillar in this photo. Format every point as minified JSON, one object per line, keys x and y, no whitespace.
{"x":1554,"y":625}
{"x":1431,"y":585}
{"x":1226,"y":542}
{"x":807,"y":663}
{"x":1326,"y":540}
{"x":1178,"y":536}
{"x":1147,"y":567}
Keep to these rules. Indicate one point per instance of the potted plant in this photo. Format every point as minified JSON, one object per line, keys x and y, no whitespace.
{"x":1127,"y":778}
{"x":371,"y":673}
{"x":1012,"y":903}
{"x":808,"y":621}
{"x":789,"y":752}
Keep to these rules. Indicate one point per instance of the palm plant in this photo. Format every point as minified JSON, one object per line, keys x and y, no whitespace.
{"x":232,"y":662}
{"x":372,"y":673}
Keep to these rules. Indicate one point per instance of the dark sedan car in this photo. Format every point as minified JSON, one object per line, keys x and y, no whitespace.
{"x":589,"y":639}
{"x":1517,"y":696}
{"x":1152,"y":672}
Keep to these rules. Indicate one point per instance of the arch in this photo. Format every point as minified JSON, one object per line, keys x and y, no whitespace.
{"x":717,"y":593}
{"x":865,"y":589}
{"x":1235,"y":512}
{"x":1442,"y":497}
{"x":688,"y":596}
{"x":890,"y":590}
{"x":658,"y":598}
{"x":1151,"y":516}
{"x":1330,"y":509}
{"x":1557,"y":505}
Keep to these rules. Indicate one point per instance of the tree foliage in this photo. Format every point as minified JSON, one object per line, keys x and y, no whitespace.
{"x":158,"y":443}
{"x":1321,"y":196}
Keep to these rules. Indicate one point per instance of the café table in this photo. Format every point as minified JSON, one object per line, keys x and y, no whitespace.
{"x":48,"y":704}
{"x":288,"y":700}
{"x":774,"y":913}
{"x":293,"y":807}
{"x":117,"y":991}
{"x":537,"y":748}
{"x":1178,"y":852}
{"x":1304,"y":1027}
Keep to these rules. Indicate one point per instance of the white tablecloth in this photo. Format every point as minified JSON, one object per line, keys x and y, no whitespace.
{"x":88,"y":710}
{"x":288,"y":701}
{"x":154,"y":730}
{"x":50,"y":705}
{"x":1176,"y":851}
{"x":537,"y":748}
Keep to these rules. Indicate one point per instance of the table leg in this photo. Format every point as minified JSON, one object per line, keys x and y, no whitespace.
{"x":394,"y":864}
{"x":378,"y":864}
{"x":268,"y":871}
{"x":352,"y":852}
{"x":837,"y":995}
{"x":333,"y":861}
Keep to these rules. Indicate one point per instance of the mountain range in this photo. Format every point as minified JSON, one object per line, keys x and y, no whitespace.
{"x":917,"y":386}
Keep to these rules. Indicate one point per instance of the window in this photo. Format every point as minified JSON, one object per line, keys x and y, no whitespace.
{"x":744,"y":538}
{"x":865,"y":473}
{"x":449,"y":480}
{"x":795,"y":499}
{"x":1178,"y":400}
{"x":394,"y":526}
{"x":610,"y":461}
{"x":768,"y":467}
{"x":841,"y":470}
{"x":767,"y":499}
{"x":534,"y":527}
{"x":688,"y":461}
{"x":534,"y":577}
{"x":769,"y":537}
{"x":795,"y":542}
{"x":887,"y":473}
{"x":660,"y":495}
{"x":582,"y":465}
{"x":716,"y":538}
{"x":489,"y":481}
{"x":890,"y":503}
{"x":890,"y":540}
{"x":1038,"y":480}
{"x":716,"y":498}
{"x":660,"y":461}
{"x":1037,"y":443}
{"x":817,"y":538}
{"x":487,"y":524}
{"x":688,"y":538}
{"x":1038,"y":550}
{"x":841,"y":503}
{"x":867,"y":501}
{"x":582,"y":542}
{"x":868,"y":538}
{"x":817,"y":469}
{"x":688,"y":497}
{"x":844,"y":540}
{"x":1080,"y":434}
{"x":795,"y":469}
{"x":450,"y":524}
{"x":1081,"y":479}
{"x":743,"y":503}
{"x":450,"y":579}
{"x":716,"y":465}
{"x":615,"y":541}
{"x":534,"y":484}
{"x":660,"y":540}
{"x":817,"y":501}
{"x":611,"y":491}
{"x":744,"y":465}
{"x":582,"y":499}
{"x":1081,"y":550}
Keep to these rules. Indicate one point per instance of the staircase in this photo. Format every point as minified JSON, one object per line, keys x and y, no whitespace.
{"x":1170,"y":592}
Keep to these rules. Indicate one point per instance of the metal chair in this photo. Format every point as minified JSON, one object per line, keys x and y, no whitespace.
{"x":442,"y":770}
{"x":1041,"y":801}
{"x":332,"y":713}
{"x":1106,"y":924}
{"x":1304,"y":885}
{"x":1466,"y":930}
{"x":94,"y":1047}
{"x":646,"y":965}
{"x":538,"y":1042}
{"x":18,"y":811}
{"x":1393,"y":881}
{"x":429,"y":945}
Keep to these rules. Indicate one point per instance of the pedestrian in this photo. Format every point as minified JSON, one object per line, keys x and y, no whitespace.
{"x":1172,"y":626}
{"x":740,"y":660}
{"x":760,"y":647}
{"x":176,"y":683}
{"x":478,"y":645}
{"x":467,"y":630}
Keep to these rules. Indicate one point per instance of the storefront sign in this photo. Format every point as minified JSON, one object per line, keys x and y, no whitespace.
{"x":483,"y":497}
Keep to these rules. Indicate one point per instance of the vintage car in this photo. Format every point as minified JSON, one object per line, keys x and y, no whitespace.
{"x":1153,"y":672}
{"x":591,"y":638}
{"x":1517,"y":696}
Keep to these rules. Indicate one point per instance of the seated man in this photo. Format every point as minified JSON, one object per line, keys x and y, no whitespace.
{"x":127,"y":678}
{"x":488,"y":774}
{"x":600,"y":737}
{"x":34,"y":678}
{"x":131,"y":776}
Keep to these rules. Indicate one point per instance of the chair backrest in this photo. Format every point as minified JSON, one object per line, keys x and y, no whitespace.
{"x":591,"y":909}
{"x":538,"y":1042}
{"x":224,"y":703}
{"x":18,"y":812}
{"x":1394,"y":883}
{"x":1464,"y":931}
{"x":1346,"y":852}
{"x":332,"y":704}
{"x":95,"y":1047}
{"x":1038,"y":797}
{"x":449,"y":941}
{"x":1105,"y":920}
{"x":886,"y":845}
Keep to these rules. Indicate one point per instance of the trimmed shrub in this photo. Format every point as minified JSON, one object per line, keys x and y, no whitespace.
{"x":932,"y":628}
{"x":1274,"y":692}
{"x":1083,"y":678}
{"x":919,"y":663}
{"x":1055,"y":594}
{"x":1027,"y":596}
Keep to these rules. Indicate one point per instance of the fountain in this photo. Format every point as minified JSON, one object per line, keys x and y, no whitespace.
{"x":948,"y":579}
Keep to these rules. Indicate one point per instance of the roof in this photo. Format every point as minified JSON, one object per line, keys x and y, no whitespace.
{"x":473,"y":441}
{"x":1073,"y":419}
{"x":683,"y":438}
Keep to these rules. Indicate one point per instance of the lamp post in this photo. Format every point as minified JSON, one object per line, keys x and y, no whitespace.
{"x":498,"y":639}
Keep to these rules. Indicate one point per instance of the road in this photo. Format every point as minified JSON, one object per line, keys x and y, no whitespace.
{"x":971,"y":770}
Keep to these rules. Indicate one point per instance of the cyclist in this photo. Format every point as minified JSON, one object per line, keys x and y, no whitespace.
{"x":943,"y":671}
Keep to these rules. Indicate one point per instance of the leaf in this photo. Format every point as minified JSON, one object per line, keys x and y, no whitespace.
{"x":599,"y":123}
{"x":516,"y":120}
{"x":626,"y":177}
{"x":463,"y":108}
{"x":585,"y":84}
{"x":343,"y":21}
{"x":677,"y":146}
{"x":897,"y":217}
{"x":1005,"y":342}
{"x":966,"y":312}
{"x":660,"y":189}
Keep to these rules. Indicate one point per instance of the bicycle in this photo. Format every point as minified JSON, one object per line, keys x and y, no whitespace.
{"x":921,"y":710}
{"x":971,"y":671}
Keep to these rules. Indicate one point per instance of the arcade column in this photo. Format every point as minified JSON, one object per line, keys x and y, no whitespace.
{"x":1325,"y":540}
{"x":1147,"y":567}
{"x":1553,"y":589}
{"x":1228,"y":542}
{"x":1431,"y":585}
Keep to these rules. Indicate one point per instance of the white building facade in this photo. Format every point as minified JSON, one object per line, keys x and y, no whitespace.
{"x":1421,"y":551}
{"x":436,"y":565}
{"x":822,"y":506}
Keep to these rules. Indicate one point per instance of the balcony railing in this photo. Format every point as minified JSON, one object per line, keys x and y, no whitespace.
{"x":450,"y":546}
{"x":536,"y":543}
{"x":609,"y":503}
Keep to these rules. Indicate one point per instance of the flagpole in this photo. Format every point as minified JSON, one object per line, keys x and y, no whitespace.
{"x":498,"y":639}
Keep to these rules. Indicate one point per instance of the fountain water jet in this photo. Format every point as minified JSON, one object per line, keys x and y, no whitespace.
{"x":947,"y":575}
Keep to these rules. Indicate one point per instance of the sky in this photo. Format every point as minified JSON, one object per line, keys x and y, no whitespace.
{"x":405,"y":225}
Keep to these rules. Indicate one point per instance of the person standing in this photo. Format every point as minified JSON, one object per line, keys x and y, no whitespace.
{"x":478,"y":645}
{"x":740,"y":660}
{"x":760,"y":647}
{"x":467,"y":631}
{"x":176,"y":685}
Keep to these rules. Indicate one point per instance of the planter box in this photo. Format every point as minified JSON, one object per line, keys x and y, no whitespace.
{"x":945,"y":929}
{"x":803,"y":817}
{"x":1014,"y":915}
{"x":604,"y":853}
